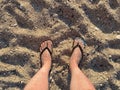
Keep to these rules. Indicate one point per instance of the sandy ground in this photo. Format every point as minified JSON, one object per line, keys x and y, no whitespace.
{"x":24,"y":24}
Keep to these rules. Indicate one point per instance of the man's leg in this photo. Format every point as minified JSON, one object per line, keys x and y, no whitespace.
{"x":78,"y":80}
{"x":40,"y":80}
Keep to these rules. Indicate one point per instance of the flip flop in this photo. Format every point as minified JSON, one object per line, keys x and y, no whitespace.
{"x":46,"y":48}
{"x":79,"y":46}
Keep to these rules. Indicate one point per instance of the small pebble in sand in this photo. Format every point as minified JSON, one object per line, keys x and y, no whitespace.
{"x":96,"y":28}
{"x":118,"y":36}
{"x":55,"y":15}
{"x":100,"y":84}
{"x":22,"y":8}
{"x":110,"y":57}
{"x":91,"y":0}
{"x":11,"y":52}
{"x":50,"y":78}
{"x":14,"y":25}
{"x":21,"y":82}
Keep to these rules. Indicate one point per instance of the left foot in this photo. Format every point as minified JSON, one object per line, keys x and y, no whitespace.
{"x":45,"y":54}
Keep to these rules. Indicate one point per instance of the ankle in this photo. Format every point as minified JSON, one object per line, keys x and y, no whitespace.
{"x":73,"y":62}
{"x":73,"y":65}
{"x":46,"y":68}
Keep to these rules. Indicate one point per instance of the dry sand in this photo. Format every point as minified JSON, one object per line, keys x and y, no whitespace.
{"x":24,"y":24}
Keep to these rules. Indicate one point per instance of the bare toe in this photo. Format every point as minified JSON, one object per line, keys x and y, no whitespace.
{"x":49,"y":45}
{"x":80,"y":42}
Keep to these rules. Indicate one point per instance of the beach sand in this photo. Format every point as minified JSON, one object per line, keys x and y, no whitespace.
{"x":24,"y":24}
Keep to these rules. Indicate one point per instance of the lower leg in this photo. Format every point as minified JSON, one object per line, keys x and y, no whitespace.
{"x":39,"y":81}
{"x":78,"y":80}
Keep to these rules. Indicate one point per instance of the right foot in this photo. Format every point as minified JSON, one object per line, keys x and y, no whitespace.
{"x":77,"y":53}
{"x":46,"y":54}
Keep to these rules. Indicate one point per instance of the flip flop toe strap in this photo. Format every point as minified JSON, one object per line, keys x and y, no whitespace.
{"x":46,"y":48}
{"x":79,"y":48}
